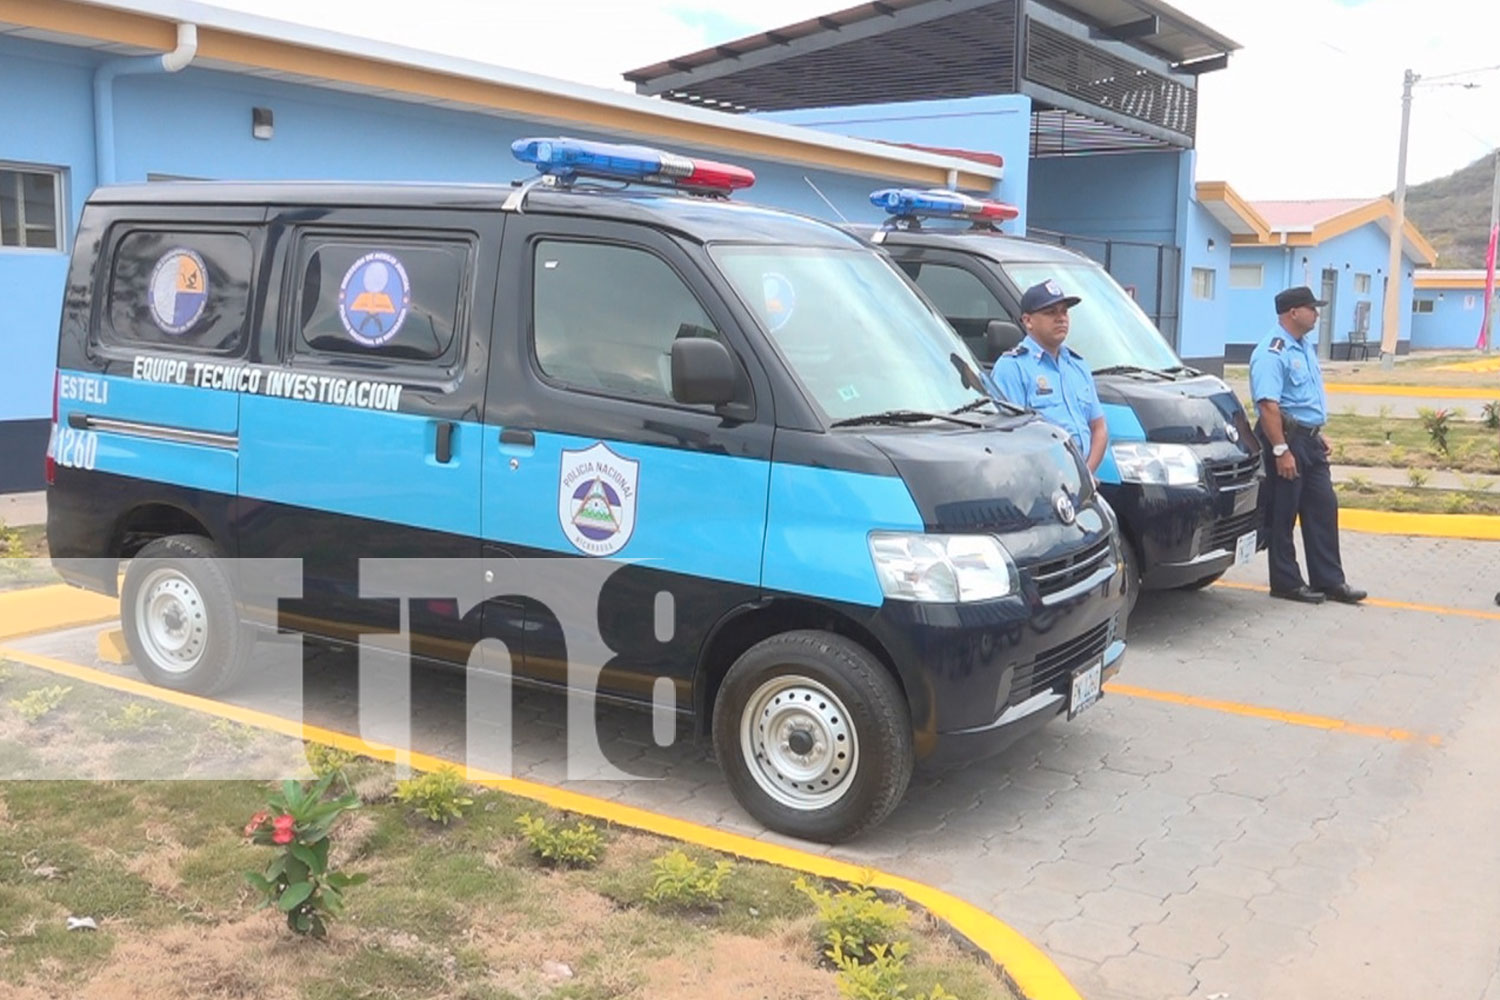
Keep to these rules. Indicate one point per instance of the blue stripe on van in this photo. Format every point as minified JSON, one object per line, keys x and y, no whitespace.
{"x":819,"y":523}
{"x":696,"y":513}
{"x":365,"y":463}
{"x":1124,"y":425}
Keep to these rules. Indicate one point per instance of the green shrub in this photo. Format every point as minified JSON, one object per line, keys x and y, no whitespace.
{"x":39,"y":701}
{"x":325,"y":760}
{"x":1458,"y":503}
{"x":678,"y":880}
{"x":855,"y":920}
{"x":1361,"y":484}
{"x":570,"y":847}
{"x":882,"y":977}
{"x":438,"y":795}
{"x":1437,"y":423}
{"x":10,"y":541}
{"x":1417,"y":477}
{"x":132,"y":718}
{"x":1491,"y":415}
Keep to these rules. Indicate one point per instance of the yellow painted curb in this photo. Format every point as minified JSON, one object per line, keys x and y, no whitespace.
{"x":112,"y":648}
{"x":56,"y":606}
{"x":1438,"y":391}
{"x":1029,"y":970}
{"x":1477,"y":527}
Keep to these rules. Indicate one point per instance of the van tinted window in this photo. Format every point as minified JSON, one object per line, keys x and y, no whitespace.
{"x":962,"y":298}
{"x":174,"y":289}
{"x":605,"y":317}
{"x":390,"y":299}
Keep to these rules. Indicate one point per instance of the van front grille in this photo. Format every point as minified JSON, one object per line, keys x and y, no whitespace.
{"x":1053,"y":669}
{"x":1057,"y":575}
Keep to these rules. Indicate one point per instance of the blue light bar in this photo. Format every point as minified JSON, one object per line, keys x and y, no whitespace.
{"x":568,"y":159}
{"x":913,"y":202}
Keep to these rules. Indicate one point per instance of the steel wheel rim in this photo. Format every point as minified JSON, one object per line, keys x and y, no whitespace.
{"x":798,"y":742}
{"x":172,"y":621}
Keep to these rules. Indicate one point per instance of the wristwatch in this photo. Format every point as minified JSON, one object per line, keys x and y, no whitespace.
{"x":1279,"y":449}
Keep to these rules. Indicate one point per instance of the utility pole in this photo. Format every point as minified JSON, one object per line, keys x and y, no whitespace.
{"x":1391,"y":328}
{"x":1489,"y":304}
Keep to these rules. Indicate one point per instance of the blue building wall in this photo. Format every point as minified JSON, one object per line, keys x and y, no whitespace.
{"x":999,"y":124}
{"x":196,"y":123}
{"x":1364,"y":250}
{"x":1204,"y":321}
{"x":1454,"y":321}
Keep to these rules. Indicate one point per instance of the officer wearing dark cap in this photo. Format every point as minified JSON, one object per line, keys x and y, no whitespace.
{"x":1052,"y":379}
{"x":1288,"y":388}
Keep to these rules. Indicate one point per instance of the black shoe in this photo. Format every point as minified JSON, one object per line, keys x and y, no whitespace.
{"x":1345,"y":594}
{"x":1304,"y":594}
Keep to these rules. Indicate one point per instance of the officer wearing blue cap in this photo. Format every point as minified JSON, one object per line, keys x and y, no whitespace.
{"x":1052,"y":379}
{"x":1288,"y":388}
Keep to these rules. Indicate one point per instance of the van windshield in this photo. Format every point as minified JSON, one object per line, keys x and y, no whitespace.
{"x":852,"y":331}
{"x":1107,"y":328}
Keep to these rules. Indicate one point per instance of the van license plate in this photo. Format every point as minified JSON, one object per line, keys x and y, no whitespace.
{"x":1244,"y":550}
{"x":1085,"y":689}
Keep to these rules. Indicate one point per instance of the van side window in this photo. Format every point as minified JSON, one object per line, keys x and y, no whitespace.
{"x":395,"y":300}
{"x":962,"y":299}
{"x":604,"y":317}
{"x":176,"y":289}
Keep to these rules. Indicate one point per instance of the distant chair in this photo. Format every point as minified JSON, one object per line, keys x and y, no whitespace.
{"x":1359,"y":337}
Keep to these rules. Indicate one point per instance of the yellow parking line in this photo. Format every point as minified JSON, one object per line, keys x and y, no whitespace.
{"x":35,"y":610}
{"x":1274,"y":714}
{"x":1033,"y":973}
{"x":1436,"y":391}
{"x":1380,"y":602}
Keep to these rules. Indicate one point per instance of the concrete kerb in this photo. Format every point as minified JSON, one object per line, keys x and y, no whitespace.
{"x":1030,"y":972}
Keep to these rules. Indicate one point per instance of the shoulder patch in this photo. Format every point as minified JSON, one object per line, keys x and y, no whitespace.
{"x":1277,"y":343}
{"x":1073,"y":352}
{"x":1019,"y":351}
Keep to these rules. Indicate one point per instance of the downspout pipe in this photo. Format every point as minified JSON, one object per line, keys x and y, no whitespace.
{"x":104,"y":94}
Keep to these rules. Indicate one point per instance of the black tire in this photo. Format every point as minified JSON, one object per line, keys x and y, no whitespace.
{"x":1199,"y":584}
{"x":180,"y":618}
{"x":831,"y":799}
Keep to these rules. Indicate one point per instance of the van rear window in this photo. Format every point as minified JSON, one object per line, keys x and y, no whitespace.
{"x":394,"y":300}
{"x":175,"y":289}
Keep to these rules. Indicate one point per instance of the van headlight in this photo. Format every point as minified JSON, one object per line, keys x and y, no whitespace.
{"x":1157,"y":464}
{"x":943,"y":569}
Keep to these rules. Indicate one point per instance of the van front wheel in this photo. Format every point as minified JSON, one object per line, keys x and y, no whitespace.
{"x":179,"y":616}
{"x":813,"y":735}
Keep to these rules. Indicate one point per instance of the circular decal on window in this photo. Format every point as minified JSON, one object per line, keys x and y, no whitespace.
{"x":373,"y":298}
{"x":781,"y":299}
{"x":179,"y":290}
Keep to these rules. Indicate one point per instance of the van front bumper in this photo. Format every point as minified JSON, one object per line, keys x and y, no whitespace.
{"x":1183,"y":533}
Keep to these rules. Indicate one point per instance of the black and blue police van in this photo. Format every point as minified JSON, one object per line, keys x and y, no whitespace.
{"x":1183,"y":467}
{"x":869,"y":561}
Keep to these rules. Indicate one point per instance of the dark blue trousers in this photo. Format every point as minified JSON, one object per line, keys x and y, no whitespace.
{"x":1309,"y":497}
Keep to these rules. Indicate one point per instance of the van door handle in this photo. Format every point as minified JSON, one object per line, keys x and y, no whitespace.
{"x":444,"y":442}
{"x":518,"y":436}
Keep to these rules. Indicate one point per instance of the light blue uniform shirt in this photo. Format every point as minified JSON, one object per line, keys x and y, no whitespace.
{"x":1285,"y":370}
{"x":1061,"y":389}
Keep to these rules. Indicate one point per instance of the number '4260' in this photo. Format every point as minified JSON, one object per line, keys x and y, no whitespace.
{"x":76,"y":449}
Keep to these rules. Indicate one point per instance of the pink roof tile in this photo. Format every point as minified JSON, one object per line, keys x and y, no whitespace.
{"x":1287,"y":215}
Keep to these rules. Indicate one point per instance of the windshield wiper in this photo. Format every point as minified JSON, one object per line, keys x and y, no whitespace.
{"x":1132,"y":370}
{"x":1187,"y":370}
{"x":1002,"y":405}
{"x":901,"y":417}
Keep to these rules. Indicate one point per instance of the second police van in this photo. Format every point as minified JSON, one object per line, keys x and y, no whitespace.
{"x":869,"y":561}
{"x":1183,"y":468}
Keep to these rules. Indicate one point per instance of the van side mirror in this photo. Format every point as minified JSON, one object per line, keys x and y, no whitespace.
{"x":1001,"y":335}
{"x":702,"y":372}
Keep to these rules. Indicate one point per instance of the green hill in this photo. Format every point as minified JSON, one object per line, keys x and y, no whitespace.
{"x":1453,"y":212}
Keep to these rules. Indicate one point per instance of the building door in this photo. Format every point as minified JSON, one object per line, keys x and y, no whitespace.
{"x":1325,"y":320}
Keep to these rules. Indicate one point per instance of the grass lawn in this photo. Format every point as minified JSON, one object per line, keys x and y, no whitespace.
{"x":1369,"y":497}
{"x":1405,"y":443}
{"x":463,"y":911}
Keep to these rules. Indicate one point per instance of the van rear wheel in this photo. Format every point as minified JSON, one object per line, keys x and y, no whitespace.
{"x":179,"y":615}
{"x":814,"y":736}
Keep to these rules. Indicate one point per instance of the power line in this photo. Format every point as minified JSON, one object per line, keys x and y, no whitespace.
{"x":1467,"y":72}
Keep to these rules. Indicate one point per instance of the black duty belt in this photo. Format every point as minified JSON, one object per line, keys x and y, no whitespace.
{"x":1290,"y":426}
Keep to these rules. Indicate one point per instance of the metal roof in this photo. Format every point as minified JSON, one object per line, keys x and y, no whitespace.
{"x":1103,"y":75}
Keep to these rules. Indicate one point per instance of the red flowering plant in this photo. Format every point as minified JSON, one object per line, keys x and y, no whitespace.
{"x":298,"y":881}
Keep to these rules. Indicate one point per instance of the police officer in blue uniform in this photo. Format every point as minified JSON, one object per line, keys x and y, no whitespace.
{"x":1288,"y":388}
{"x":1052,"y":379}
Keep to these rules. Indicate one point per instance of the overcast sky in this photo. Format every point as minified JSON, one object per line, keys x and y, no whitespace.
{"x":1309,"y":108}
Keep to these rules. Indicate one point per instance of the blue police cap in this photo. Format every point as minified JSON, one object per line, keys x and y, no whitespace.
{"x":1045,"y":295}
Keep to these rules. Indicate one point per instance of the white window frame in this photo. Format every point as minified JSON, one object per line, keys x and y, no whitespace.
{"x":59,"y":205}
{"x":1240,"y":275}
{"x":1417,"y":304}
{"x":1204,"y":281}
{"x":1361,"y":284}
